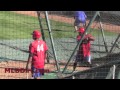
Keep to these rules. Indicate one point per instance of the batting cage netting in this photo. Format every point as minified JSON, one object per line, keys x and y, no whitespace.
{"x":57,"y":29}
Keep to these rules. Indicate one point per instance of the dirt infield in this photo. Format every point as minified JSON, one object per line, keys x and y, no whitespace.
{"x":20,"y":64}
{"x":17,"y":64}
{"x":108,"y":27}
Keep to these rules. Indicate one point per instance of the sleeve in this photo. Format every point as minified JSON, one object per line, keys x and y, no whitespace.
{"x":31,"y":48}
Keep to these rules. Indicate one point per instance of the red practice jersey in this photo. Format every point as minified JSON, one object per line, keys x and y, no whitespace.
{"x":84,"y":48}
{"x":38,"y":49}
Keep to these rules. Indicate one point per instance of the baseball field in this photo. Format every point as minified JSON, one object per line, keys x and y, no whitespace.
{"x":16,"y":28}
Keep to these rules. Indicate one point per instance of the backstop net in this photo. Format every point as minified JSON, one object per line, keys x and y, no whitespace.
{"x":58,"y":31}
{"x":104,"y":28}
{"x":15,"y":37}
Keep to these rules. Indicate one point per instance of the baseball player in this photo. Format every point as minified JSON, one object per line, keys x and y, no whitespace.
{"x":83,"y":54}
{"x":80,"y":18}
{"x":37,"y":55}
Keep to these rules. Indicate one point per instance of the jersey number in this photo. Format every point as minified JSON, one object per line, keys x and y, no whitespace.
{"x":40,"y":47}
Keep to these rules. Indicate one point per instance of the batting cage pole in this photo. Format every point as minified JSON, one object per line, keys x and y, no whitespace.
{"x":114,"y":43}
{"x":112,"y":72}
{"x":87,"y":28}
{"x":51,"y":39}
{"x":40,"y":23}
{"x":118,"y":76}
{"x":102,"y":31}
{"x":42,"y":31}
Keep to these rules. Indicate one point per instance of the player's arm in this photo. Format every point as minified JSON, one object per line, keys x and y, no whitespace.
{"x":31,"y":50}
{"x":46,"y":52}
{"x":90,"y":37}
{"x":85,"y":15}
{"x":46,"y":56}
{"x":29,"y":60}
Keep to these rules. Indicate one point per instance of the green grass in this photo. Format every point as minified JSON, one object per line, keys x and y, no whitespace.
{"x":96,"y":32}
{"x":17,"y":26}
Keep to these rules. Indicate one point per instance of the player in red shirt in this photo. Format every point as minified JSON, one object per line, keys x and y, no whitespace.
{"x":83,"y":54}
{"x":37,"y":55}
